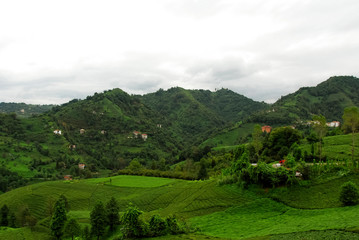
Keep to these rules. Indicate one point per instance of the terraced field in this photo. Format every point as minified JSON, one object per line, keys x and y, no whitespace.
{"x":163,"y":196}
{"x":219,"y":212}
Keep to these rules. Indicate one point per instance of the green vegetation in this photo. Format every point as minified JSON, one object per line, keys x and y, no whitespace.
{"x":127,"y":160}
{"x":349,"y":194}
{"x":24,"y":110}
{"x":265,"y":217}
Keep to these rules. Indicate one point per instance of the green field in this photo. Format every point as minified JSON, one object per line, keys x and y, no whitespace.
{"x":219,"y":212}
{"x":337,"y":147}
{"x":267,"y":217}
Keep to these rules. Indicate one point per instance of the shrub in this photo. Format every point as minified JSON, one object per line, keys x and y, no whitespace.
{"x":157,"y":226}
{"x":349,"y":194}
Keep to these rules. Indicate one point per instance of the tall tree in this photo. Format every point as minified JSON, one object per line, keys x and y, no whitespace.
{"x":72,"y":228}
{"x":112,"y":209}
{"x":257,"y":140}
{"x":98,"y":220}
{"x":320,"y":127}
{"x":351,"y":123}
{"x":58,"y":219}
{"x":4,"y":212}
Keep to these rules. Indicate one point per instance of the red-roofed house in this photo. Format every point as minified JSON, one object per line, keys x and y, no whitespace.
{"x":266,"y":129}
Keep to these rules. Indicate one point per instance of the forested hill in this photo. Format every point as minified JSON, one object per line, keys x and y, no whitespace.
{"x":195,"y":114}
{"x":23,"y":109}
{"x":328,"y":98}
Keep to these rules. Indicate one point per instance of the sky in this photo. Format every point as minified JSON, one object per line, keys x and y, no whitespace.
{"x":54,"y":51}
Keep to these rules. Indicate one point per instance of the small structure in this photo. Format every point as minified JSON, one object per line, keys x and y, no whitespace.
{"x":103,"y":132}
{"x":136,"y":133}
{"x":72,"y":146}
{"x":333,"y":124}
{"x":68,"y":177}
{"x":82,"y":166}
{"x":282,"y":162}
{"x":144,"y":136}
{"x":266,"y":129}
{"x":57,"y":132}
{"x":298,"y":174}
{"x":159,"y":125}
{"x":82,"y":131}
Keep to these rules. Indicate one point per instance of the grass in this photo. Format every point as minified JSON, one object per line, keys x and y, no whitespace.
{"x":133,"y":181}
{"x":220,"y":212}
{"x":316,"y":195}
{"x":183,"y":198}
{"x":230,"y":137}
{"x":337,"y":147}
{"x":267,"y":217}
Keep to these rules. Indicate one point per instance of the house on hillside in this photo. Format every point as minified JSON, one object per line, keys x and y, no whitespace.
{"x":82,"y":166}
{"x":68,"y":177}
{"x":333,"y":124}
{"x":72,"y":146}
{"x":103,"y":132}
{"x":57,"y":132}
{"x":266,"y":129}
{"x":82,"y":131}
{"x":144,"y":136}
{"x":136,"y":133}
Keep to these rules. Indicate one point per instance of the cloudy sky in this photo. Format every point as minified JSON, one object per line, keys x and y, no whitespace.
{"x":54,"y":51}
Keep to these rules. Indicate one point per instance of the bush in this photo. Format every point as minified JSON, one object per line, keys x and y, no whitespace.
{"x":349,"y":194}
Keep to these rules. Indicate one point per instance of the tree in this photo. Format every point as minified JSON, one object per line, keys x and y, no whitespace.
{"x":320,"y":127}
{"x":157,"y":226}
{"x":58,"y":219}
{"x":64,"y":199}
{"x":72,"y":228}
{"x":132,"y":224}
{"x":202,"y":173}
{"x":4,"y":213}
{"x":257,"y":140}
{"x":112,"y":209}
{"x":351,"y":122}
{"x":349,"y":194}
{"x":98,"y":220}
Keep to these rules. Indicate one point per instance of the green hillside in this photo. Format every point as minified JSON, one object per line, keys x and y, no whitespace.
{"x":23,"y":109}
{"x":328,"y":98}
{"x":218,"y":211}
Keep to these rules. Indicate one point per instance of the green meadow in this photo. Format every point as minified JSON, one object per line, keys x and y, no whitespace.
{"x":217,"y":212}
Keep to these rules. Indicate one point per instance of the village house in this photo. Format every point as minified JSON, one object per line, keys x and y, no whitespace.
{"x":103,"y":132}
{"x":136,"y":133}
{"x":68,"y":177}
{"x":266,"y":129}
{"x":57,"y":132}
{"x":82,"y":131}
{"x":333,"y":124}
{"x":82,"y":166}
{"x":144,"y":136}
{"x":72,"y":147}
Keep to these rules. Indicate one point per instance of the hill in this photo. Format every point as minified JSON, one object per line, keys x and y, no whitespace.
{"x":196,"y":114}
{"x":23,"y":109}
{"x":328,"y":98}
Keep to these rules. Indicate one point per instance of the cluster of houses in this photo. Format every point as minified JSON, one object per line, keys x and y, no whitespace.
{"x":144,"y":136}
{"x":69,"y":177}
{"x":268,"y":129}
{"x":57,"y":132}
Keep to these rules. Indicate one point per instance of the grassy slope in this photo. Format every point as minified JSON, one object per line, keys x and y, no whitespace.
{"x":223,"y":212}
{"x":230,"y":137}
{"x":266,"y":217}
{"x":164,"y":196}
{"x":337,"y":147}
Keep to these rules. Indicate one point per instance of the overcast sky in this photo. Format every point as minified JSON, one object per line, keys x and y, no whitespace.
{"x":54,"y":51}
